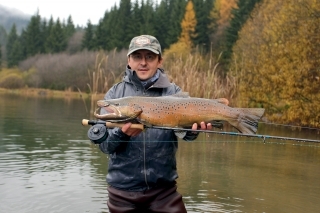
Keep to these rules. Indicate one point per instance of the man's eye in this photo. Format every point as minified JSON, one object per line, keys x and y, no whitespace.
{"x":137,"y":56}
{"x":150,"y":57}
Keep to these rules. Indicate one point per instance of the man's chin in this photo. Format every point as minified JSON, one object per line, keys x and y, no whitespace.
{"x":143,"y":76}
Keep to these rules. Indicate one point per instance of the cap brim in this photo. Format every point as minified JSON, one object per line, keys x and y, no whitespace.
{"x":143,"y":48}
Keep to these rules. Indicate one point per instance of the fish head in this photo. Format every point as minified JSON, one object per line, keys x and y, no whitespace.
{"x":116,"y":110}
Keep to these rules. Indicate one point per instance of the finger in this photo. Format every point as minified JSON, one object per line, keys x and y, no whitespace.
{"x":203,"y":125}
{"x":209,"y":126}
{"x":126,"y":127}
{"x":136,"y":132}
{"x":195,"y":126}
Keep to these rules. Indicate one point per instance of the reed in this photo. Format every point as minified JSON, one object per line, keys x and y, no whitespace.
{"x":99,"y":79}
{"x":199,"y":76}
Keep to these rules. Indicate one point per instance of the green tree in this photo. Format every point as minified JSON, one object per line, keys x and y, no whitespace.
{"x":161,"y":22}
{"x":69,"y":28}
{"x":101,"y":35}
{"x":3,"y":35}
{"x":0,"y":56}
{"x":202,"y":10}
{"x":46,"y":33}
{"x":57,"y":39}
{"x":15,"y":55}
{"x":88,"y":38}
{"x":176,"y":13}
{"x":239,"y":17}
{"x":34,"y":39}
{"x":121,"y":25}
{"x":147,"y":12}
{"x":108,"y":22}
{"x":13,"y":48}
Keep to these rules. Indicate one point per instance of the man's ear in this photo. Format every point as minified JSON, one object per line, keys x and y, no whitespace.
{"x":160,"y":61}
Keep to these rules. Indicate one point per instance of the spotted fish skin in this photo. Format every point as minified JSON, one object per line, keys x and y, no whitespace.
{"x":177,"y":111}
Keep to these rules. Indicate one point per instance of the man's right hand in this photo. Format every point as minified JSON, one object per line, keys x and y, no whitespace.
{"x":126,"y":129}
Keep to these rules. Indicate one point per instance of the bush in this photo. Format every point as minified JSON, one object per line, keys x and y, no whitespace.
{"x":12,"y":81}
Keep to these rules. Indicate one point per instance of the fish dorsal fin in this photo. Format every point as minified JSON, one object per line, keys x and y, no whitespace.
{"x":222,"y":101}
{"x":181,"y":95}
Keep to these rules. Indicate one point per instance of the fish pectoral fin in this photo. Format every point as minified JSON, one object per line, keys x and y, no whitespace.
{"x":222,"y":101}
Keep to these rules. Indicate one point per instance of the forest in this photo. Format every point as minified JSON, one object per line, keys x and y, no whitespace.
{"x":256,"y":53}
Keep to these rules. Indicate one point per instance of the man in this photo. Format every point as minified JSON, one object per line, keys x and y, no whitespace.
{"x":142,"y":165}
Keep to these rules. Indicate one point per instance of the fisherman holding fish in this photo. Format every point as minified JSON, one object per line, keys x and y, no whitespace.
{"x":142,"y":168}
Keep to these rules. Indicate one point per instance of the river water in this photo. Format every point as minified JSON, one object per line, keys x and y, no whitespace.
{"x":47,"y":164}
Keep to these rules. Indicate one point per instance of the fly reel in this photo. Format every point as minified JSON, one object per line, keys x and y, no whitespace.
{"x":97,"y":133}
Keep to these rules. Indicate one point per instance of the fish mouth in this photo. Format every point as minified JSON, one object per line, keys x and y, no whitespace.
{"x":110,"y":113}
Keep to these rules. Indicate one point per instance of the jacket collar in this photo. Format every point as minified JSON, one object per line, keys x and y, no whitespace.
{"x":131,"y":77}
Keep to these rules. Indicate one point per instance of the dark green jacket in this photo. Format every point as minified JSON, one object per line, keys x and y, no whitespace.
{"x":149,"y":159}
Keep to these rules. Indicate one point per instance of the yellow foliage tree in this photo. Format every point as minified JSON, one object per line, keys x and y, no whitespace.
{"x":277,"y":59}
{"x":184,"y":44}
{"x":220,"y":16}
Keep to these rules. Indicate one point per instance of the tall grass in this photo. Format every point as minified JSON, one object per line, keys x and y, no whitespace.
{"x":100,"y":79}
{"x":200,"y":76}
{"x":95,"y":72}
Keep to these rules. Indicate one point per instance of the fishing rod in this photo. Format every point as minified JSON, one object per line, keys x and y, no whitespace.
{"x":86,"y":122}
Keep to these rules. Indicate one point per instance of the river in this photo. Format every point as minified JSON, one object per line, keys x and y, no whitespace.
{"x":47,"y":164}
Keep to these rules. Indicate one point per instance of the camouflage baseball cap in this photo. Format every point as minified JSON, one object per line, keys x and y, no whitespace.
{"x":144,"y":42}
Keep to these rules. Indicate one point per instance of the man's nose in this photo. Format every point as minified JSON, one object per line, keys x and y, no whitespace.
{"x":143,"y":60}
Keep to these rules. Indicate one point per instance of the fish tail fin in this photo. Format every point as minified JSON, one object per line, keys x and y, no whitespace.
{"x":248,"y":119}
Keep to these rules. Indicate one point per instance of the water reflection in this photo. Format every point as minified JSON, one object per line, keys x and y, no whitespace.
{"x":249,"y":176}
{"x":47,"y":164}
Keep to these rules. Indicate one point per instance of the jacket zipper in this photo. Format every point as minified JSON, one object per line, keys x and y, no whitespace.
{"x":144,"y":160}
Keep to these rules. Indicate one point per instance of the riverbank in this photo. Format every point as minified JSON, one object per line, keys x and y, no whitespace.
{"x":47,"y":93}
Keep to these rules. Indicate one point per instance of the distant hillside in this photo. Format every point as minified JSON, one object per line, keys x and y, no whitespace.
{"x":9,"y":16}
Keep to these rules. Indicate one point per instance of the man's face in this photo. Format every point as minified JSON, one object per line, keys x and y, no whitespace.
{"x":145,"y":63}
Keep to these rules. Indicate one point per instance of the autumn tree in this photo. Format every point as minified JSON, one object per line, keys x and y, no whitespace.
{"x":220,"y":16}
{"x":277,"y":59}
{"x":240,"y":15}
{"x":188,"y":24}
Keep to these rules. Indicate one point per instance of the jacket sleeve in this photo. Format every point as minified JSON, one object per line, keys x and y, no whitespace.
{"x":116,"y":139}
{"x":190,"y":136}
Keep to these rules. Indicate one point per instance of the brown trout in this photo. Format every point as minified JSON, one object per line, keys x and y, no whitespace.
{"x":178,"y":110}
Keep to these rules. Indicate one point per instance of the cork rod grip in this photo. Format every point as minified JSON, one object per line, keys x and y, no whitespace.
{"x":86,"y":122}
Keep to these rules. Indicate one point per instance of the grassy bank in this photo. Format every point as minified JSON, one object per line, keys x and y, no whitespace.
{"x":46,"y":93}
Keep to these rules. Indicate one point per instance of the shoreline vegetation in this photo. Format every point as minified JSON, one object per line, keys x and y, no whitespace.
{"x":48,"y":93}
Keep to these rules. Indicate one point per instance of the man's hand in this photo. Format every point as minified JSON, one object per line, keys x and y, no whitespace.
{"x":126,"y":129}
{"x":203,"y":126}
